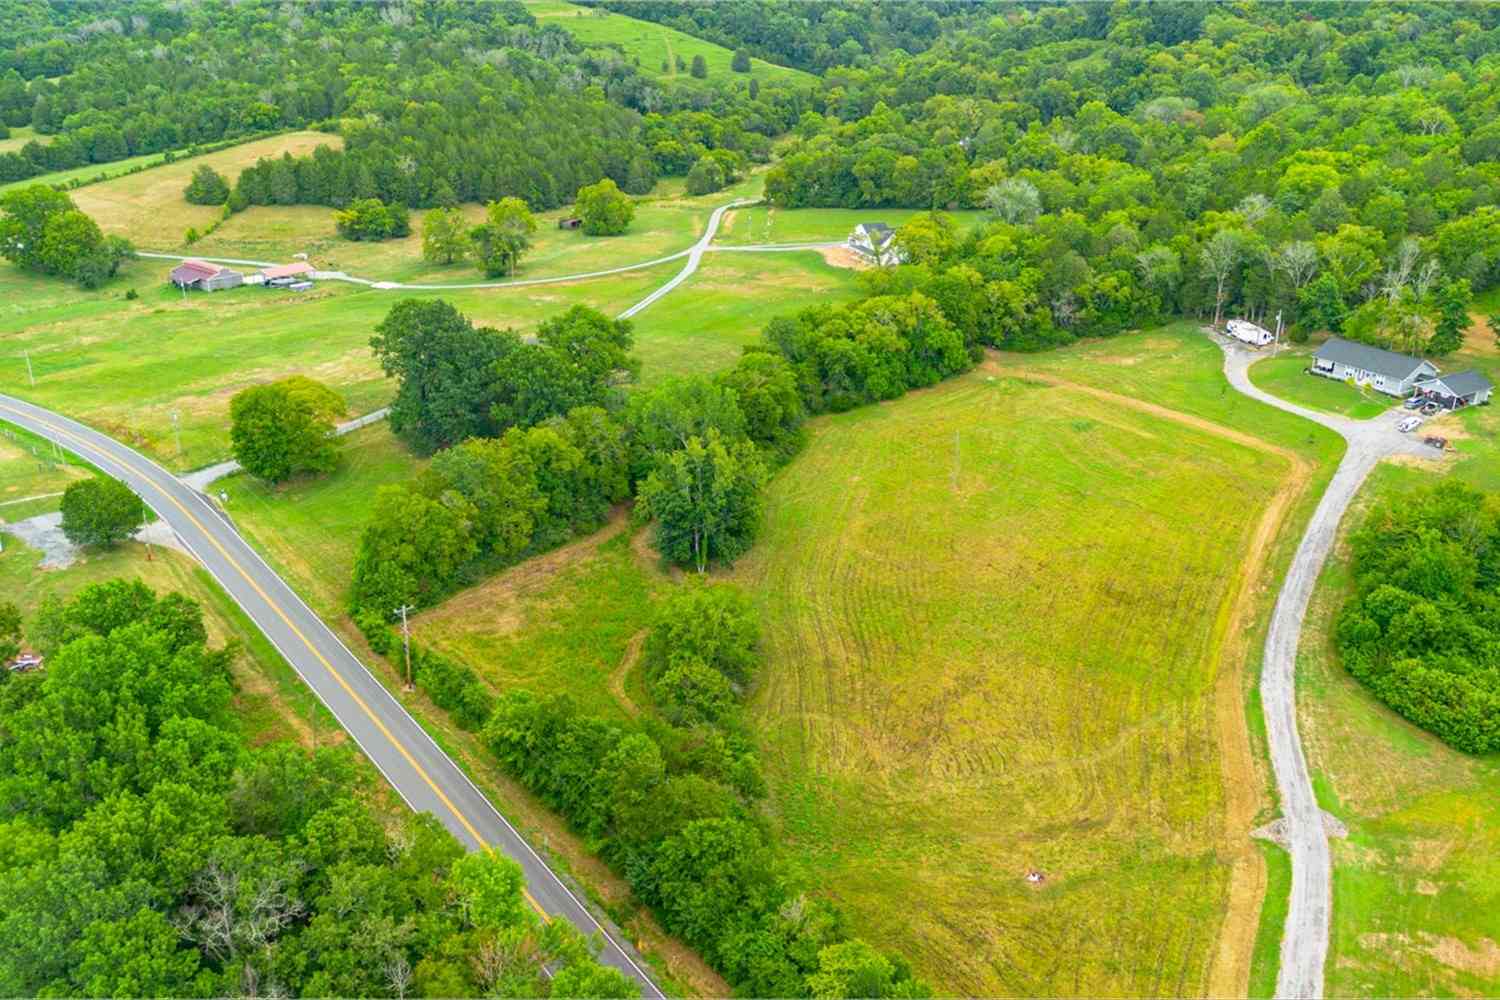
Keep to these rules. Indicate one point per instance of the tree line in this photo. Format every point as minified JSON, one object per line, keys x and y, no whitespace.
{"x":670,"y":802}
{"x":1422,"y":629}
{"x":147,"y":849}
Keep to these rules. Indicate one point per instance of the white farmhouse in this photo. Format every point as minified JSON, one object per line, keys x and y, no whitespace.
{"x":872,"y":241}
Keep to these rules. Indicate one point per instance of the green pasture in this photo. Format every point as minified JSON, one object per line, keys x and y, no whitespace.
{"x":32,"y":473}
{"x":666,"y":222}
{"x":650,"y":46}
{"x":1417,"y":883}
{"x":701,"y":325}
{"x":994,"y":619}
{"x":1286,"y":377}
{"x":127,"y":365}
{"x":768,"y":224}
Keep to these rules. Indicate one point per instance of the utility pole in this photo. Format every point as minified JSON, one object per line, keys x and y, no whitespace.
{"x":177,"y":433}
{"x":29,"y":374}
{"x":1276,"y":348}
{"x":406,"y":641}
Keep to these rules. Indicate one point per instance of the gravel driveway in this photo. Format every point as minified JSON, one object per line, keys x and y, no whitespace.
{"x":1304,"y":942}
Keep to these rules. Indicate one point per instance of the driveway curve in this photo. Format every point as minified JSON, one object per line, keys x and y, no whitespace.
{"x":1304,"y":940}
{"x":694,"y":255}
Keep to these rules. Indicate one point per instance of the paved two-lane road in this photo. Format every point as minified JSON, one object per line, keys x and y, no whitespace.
{"x":420,"y":772}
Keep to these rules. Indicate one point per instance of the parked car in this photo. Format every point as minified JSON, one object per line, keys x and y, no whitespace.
{"x":1413,"y":403}
{"x":1440,"y":443}
{"x":1409,"y":424}
{"x":1430,"y":408}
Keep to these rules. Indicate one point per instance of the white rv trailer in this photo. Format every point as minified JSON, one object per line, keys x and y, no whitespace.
{"x":1249,"y":333}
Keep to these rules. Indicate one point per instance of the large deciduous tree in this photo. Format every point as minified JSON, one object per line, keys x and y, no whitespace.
{"x":101,"y":512}
{"x":444,"y":237}
{"x":604,"y":209}
{"x":505,"y":235}
{"x":444,"y":367}
{"x":284,"y":428}
{"x":705,"y":499}
{"x":208,"y":187}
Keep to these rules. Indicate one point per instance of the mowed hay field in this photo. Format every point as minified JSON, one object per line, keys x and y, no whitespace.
{"x":995,"y":624}
{"x":148,"y":208}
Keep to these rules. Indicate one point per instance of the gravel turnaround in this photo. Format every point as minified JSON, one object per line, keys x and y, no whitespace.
{"x":1304,"y":941}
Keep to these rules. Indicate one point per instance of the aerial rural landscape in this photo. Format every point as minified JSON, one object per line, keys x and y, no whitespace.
{"x":765,"y":498}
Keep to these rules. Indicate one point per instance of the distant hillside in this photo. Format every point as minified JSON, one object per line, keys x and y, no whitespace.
{"x":657,"y":47}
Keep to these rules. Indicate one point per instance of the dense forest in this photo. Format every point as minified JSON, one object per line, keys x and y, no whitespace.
{"x":1145,"y":160}
{"x":809,"y":35}
{"x":146,"y":849}
{"x":436,"y":103}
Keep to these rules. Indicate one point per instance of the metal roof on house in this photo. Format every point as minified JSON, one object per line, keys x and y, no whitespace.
{"x":288,"y":270}
{"x":194,"y":270}
{"x":1460,"y":383}
{"x":1371,"y":359}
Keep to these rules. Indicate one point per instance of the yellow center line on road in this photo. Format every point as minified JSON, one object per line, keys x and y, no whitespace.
{"x":400,"y":747}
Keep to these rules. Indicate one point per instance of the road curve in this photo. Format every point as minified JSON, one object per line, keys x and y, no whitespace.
{"x":694,"y":257}
{"x":1304,"y":940}
{"x":424,"y":776}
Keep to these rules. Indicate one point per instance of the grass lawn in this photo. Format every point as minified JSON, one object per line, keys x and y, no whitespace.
{"x":766,"y":224}
{"x":1417,"y":884}
{"x":309,"y":528}
{"x":701,"y":325}
{"x":148,"y":208}
{"x":652,"y":46}
{"x":1286,"y":377}
{"x":126,"y":366}
{"x":30,"y":472}
{"x":996,"y":619}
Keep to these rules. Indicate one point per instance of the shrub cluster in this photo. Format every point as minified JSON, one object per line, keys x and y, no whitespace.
{"x":372,"y":219}
{"x":1422,"y":630}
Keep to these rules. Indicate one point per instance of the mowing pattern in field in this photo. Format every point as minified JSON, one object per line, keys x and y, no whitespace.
{"x":994,"y":614}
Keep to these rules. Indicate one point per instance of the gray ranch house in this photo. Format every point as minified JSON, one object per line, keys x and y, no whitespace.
{"x":1384,"y":371}
{"x":1460,"y":389}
